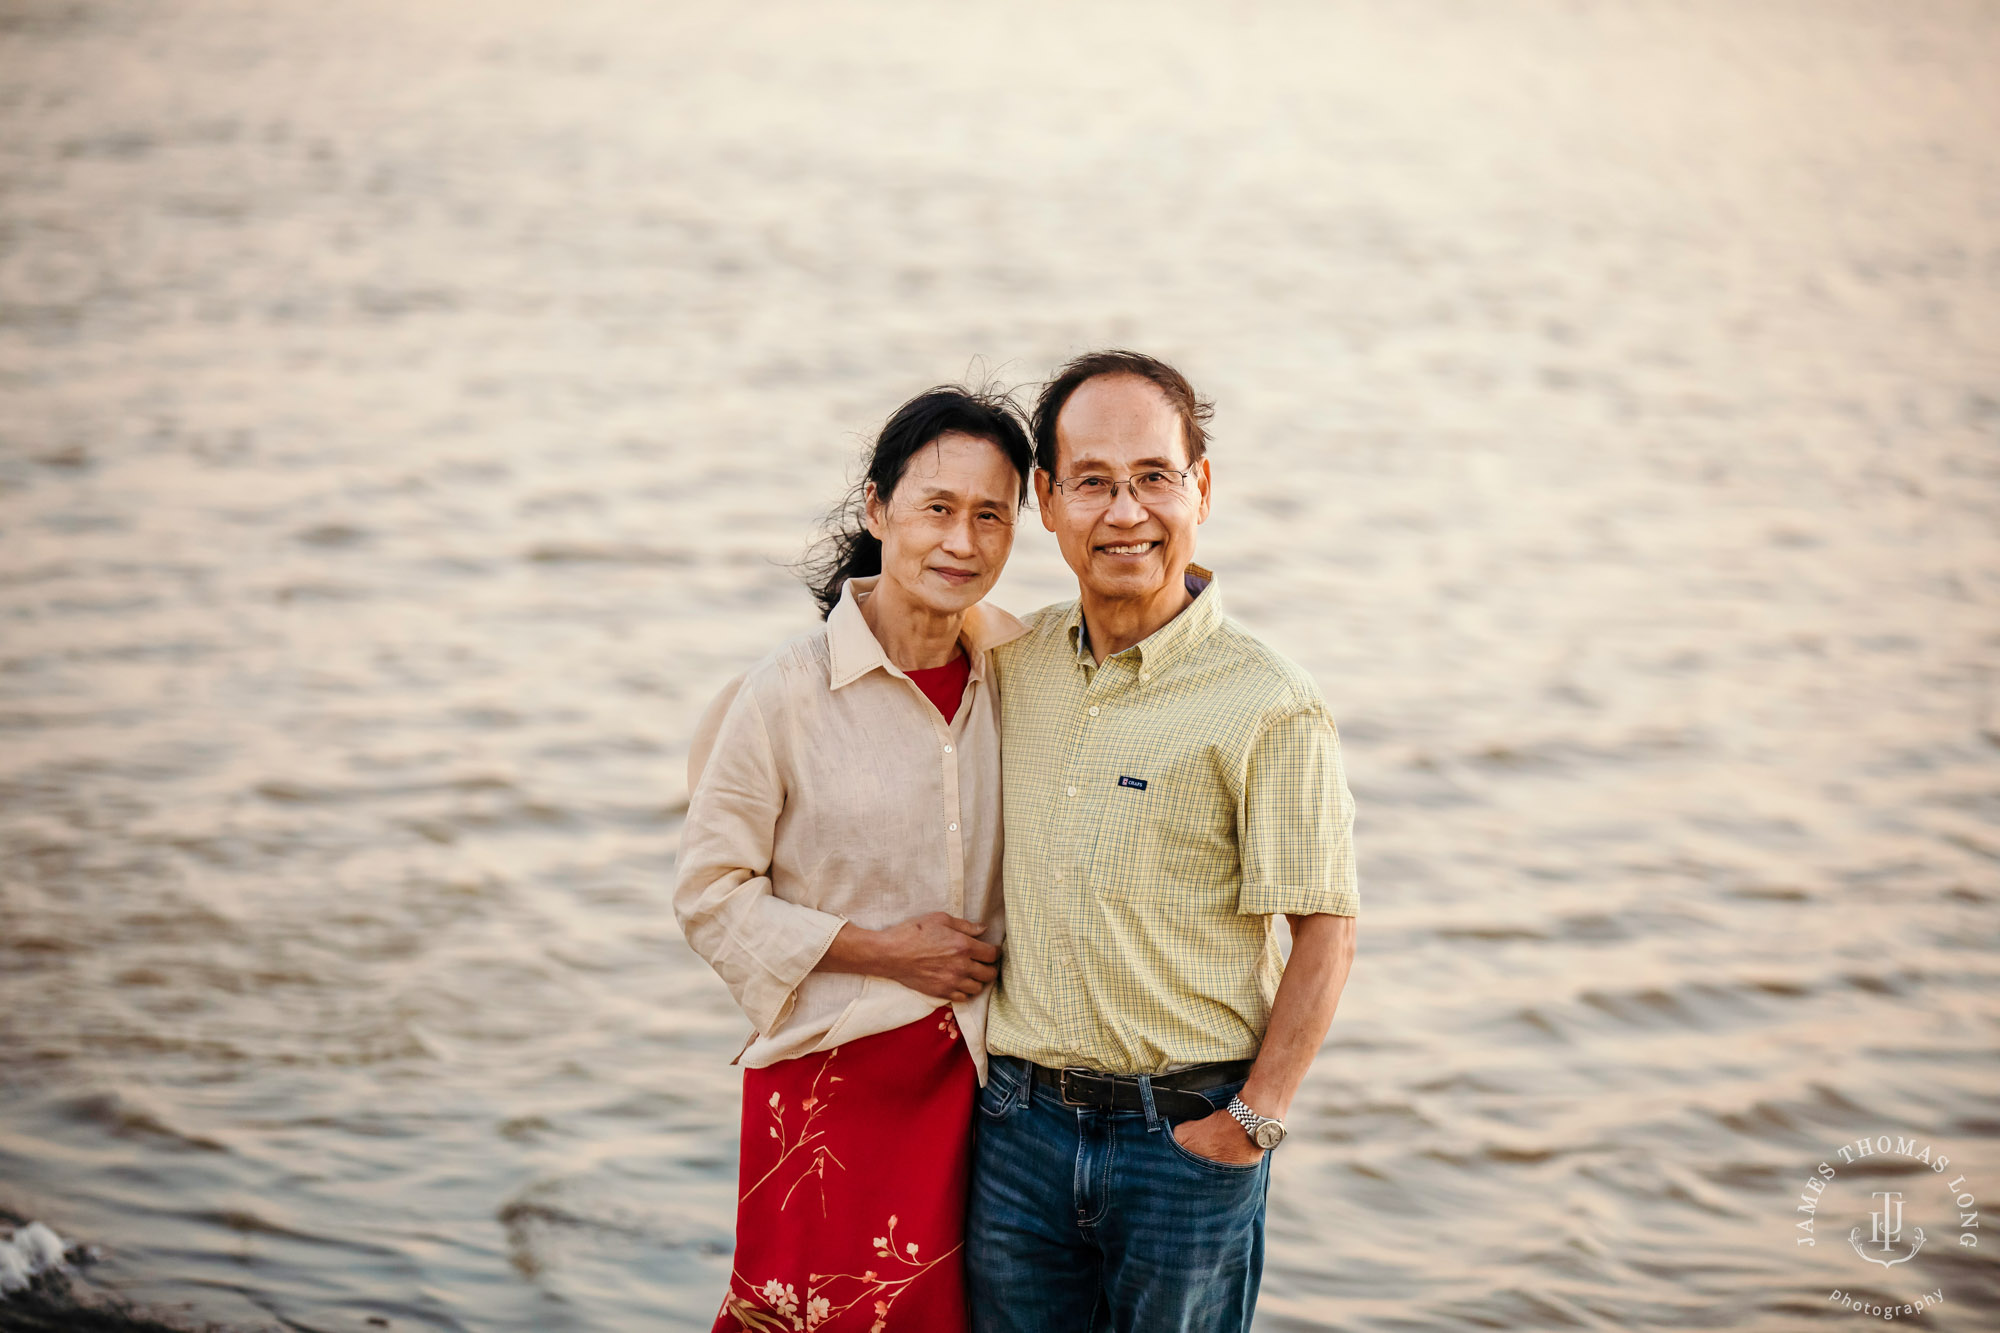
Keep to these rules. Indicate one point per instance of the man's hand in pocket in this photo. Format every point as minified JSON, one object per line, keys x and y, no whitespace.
{"x":1218,"y":1138}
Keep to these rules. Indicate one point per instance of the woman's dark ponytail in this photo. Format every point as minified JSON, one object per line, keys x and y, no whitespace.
{"x":849,"y":550}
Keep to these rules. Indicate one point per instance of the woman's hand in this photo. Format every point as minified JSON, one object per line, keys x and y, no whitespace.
{"x":936,"y":954}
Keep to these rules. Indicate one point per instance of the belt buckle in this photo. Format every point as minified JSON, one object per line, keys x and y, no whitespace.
{"x":1062,"y":1084}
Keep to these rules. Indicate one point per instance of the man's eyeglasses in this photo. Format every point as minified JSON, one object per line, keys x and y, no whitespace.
{"x":1148,"y":488}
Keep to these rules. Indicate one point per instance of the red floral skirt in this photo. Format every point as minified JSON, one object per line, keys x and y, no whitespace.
{"x":850,"y":1214}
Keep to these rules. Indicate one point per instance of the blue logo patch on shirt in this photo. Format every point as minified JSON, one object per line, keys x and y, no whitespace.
{"x":1137,"y":784}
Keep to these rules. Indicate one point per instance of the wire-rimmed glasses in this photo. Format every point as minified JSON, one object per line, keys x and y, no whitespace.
{"x":1151,"y":487}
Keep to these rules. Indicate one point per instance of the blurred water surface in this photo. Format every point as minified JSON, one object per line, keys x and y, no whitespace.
{"x":409,"y":409}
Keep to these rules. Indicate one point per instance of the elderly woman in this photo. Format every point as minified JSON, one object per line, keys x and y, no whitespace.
{"x":840,"y":869}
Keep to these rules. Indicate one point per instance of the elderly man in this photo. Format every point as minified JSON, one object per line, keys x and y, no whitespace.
{"x":1172,"y":786}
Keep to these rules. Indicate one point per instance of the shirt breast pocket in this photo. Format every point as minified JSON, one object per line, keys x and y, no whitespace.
{"x":1164,"y":836}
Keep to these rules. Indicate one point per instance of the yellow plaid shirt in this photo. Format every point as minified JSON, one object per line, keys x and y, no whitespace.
{"x":1161,"y":809}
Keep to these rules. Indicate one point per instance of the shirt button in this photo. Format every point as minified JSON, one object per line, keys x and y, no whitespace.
{"x":1072,"y":791}
{"x":953,"y":828}
{"x":1058,"y":876}
{"x":947,"y":749}
{"x":1093,"y":710}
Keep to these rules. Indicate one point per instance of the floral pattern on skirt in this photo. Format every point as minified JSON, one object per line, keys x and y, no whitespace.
{"x":850,"y":1210}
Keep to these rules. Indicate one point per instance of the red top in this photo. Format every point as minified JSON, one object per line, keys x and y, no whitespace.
{"x":944,"y":686}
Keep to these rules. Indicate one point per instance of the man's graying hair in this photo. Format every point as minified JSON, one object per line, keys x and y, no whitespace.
{"x":1194,"y":410}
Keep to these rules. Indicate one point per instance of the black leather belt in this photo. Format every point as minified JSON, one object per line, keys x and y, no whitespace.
{"x":1175,"y":1095}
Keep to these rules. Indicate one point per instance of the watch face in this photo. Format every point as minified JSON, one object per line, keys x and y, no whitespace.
{"x":1270,"y":1134}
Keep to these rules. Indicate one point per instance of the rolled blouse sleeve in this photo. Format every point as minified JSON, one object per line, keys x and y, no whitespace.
{"x":761,"y":945}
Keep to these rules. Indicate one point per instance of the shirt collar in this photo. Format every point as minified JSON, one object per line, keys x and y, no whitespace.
{"x":855,"y":652}
{"x":1194,"y":623}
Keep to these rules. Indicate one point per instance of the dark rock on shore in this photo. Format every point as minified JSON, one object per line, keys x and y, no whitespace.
{"x":52,"y":1307}
{"x":61,"y":1302}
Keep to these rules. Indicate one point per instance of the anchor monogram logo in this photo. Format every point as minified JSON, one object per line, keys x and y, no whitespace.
{"x":1886,"y":1230}
{"x":1891,"y":1239}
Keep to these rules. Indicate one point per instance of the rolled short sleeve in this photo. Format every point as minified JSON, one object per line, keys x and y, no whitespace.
{"x":762,"y":946}
{"x":1296,"y":821}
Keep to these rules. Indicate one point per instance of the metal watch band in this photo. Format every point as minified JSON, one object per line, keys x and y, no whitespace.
{"x":1251,"y":1121}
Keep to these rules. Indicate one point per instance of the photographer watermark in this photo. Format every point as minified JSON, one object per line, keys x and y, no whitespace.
{"x":1892,"y":1232}
{"x":1875,"y":1309}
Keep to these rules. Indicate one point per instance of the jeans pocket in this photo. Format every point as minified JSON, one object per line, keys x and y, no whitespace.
{"x":1218,"y":1099}
{"x":1003,"y":1088}
{"x":1209,"y":1163}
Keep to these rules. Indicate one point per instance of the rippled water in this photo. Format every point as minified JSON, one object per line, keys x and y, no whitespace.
{"x":408,"y":410}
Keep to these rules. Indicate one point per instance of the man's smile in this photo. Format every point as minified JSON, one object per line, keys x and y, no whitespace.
{"x":1128,"y":548}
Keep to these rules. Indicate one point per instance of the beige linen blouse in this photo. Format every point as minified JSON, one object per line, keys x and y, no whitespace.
{"x":825,"y":788}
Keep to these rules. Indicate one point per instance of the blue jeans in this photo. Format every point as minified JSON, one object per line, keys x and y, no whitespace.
{"x":1088,"y":1221}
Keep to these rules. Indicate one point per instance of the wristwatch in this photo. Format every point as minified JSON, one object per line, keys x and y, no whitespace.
{"x":1265,"y":1132}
